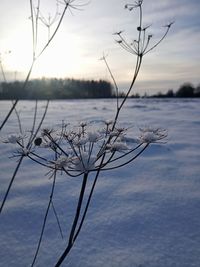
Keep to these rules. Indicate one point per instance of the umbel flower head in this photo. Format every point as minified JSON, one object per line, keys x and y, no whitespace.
{"x":136,"y":4}
{"x":12,"y":139}
{"x":143,"y":43}
{"x":85,"y":148}
{"x":82,"y":148}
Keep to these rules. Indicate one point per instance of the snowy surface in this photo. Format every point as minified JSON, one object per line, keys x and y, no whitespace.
{"x":146,"y":214}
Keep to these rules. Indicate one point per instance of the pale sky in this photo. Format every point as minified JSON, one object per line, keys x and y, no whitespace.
{"x":85,"y":35}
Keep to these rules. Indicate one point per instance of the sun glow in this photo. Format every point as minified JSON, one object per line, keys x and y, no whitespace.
{"x":63,"y":59}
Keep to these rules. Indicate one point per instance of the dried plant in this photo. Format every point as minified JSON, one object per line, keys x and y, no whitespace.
{"x":87,"y":150}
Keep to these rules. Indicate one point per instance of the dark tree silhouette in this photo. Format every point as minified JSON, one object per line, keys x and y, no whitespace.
{"x":56,"y":89}
{"x":197,"y":91}
{"x":185,"y":90}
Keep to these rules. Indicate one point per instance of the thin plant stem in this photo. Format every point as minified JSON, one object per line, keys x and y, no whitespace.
{"x":40,"y":163}
{"x":89,"y":199}
{"x":87,"y":205}
{"x":34,"y":121}
{"x":19,"y":124}
{"x":36,"y":23}
{"x":76,"y":218}
{"x":18,"y":120}
{"x":57,"y":219}
{"x":45,"y":217}
{"x":2,"y":71}
{"x":33,"y":28}
{"x":114,"y":81}
{"x":11,"y":182}
{"x":57,"y":145}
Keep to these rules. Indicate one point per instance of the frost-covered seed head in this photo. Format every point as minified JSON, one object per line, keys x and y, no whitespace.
{"x":113,"y":133}
{"x":117,"y":146}
{"x":22,"y":151}
{"x":13,"y":139}
{"x":150,"y":129}
{"x":61,"y":162}
{"x":120,"y":130}
{"x":83,"y":124}
{"x":117,"y":132}
{"x":152,"y":135}
{"x":93,"y":136}
{"x":84,"y":164}
{"x":108,"y":122}
{"x":80,"y":141}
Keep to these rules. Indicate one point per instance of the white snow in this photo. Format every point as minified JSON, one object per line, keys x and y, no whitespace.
{"x":146,"y":214}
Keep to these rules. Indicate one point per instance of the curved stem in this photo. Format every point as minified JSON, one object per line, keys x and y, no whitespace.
{"x":127,"y":162}
{"x":154,"y":46}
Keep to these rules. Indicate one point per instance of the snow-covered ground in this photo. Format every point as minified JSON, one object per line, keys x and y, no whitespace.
{"x":146,"y":214}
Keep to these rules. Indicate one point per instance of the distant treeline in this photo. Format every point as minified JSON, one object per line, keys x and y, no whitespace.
{"x":56,"y":89}
{"x":185,"y":90}
{"x":73,"y":88}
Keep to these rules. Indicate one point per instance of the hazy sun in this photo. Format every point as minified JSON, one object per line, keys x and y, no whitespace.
{"x":63,"y":58}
